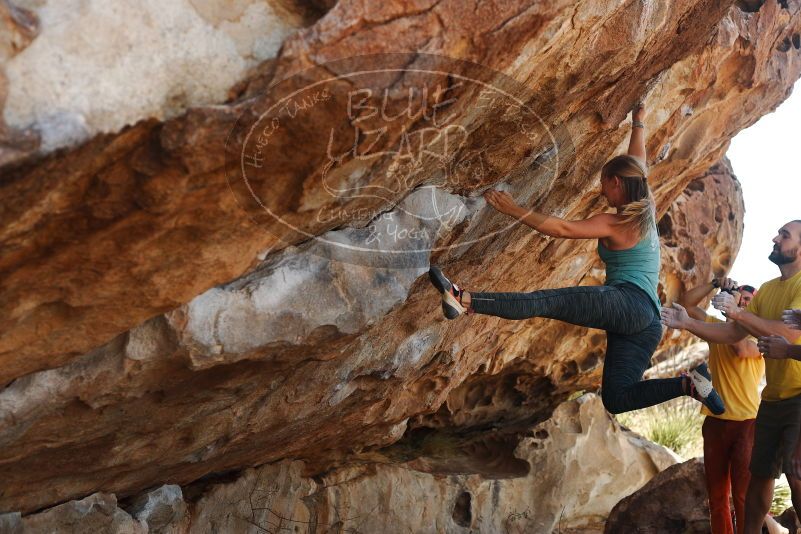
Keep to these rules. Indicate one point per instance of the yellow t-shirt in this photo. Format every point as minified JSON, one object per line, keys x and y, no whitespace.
{"x":735,"y":379}
{"x":783,"y":377}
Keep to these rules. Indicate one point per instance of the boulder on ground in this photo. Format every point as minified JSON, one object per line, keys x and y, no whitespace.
{"x":674,"y":501}
{"x":789,"y":520}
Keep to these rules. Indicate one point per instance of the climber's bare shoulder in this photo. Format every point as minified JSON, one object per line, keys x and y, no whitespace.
{"x":622,"y":236}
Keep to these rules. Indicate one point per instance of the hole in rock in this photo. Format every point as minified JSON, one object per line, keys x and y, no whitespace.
{"x":749,"y":6}
{"x":493,"y":457}
{"x":462,"y":509}
{"x":686,"y":259}
{"x":704,"y":229}
{"x":723,"y":262}
{"x":486,"y":453}
{"x":485,"y":401}
{"x":785,"y":45}
{"x":597,"y":339}
{"x":194,"y":491}
{"x":589,"y":363}
{"x":426,"y":386}
{"x":569,"y":370}
{"x":665,"y":226}
{"x":696,"y":185}
{"x":796,"y":41}
{"x":541,"y":434}
{"x":310,"y":10}
{"x":441,"y":356}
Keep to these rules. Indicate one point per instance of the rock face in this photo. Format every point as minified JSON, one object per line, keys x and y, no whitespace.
{"x":163,"y":510}
{"x":701,"y":234}
{"x":153,"y":333}
{"x":709,"y":207}
{"x":789,"y":520}
{"x":674,"y":501}
{"x":573,"y":469}
{"x":136,"y":212}
{"x":96,"y":513}
{"x":215,"y":385}
{"x":143,"y":55}
{"x":19,"y":27}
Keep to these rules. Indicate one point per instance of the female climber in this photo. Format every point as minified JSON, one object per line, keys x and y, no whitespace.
{"x":627,"y":306}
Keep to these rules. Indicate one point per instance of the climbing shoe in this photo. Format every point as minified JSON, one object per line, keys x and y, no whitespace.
{"x":451,"y":294}
{"x":701,"y":389}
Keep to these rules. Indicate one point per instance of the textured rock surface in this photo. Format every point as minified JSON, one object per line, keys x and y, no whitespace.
{"x":139,"y":60}
{"x":163,"y":510}
{"x":576,"y":466}
{"x":133,"y":218}
{"x":18,"y":27}
{"x":709,"y":207}
{"x":674,"y":501}
{"x":96,"y":513}
{"x":129,"y":366}
{"x":218,"y":384}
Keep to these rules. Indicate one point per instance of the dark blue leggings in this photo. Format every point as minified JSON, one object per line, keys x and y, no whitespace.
{"x":633,"y":331}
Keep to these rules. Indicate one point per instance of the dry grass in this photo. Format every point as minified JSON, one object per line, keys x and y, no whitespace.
{"x":675,"y":424}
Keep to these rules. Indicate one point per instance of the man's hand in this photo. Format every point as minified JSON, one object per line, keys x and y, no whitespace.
{"x":774,"y":347}
{"x":501,"y":201}
{"x":727,"y":284}
{"x":792,"y":318}
{"x":726,"y":303}
{"x":675,"y":316}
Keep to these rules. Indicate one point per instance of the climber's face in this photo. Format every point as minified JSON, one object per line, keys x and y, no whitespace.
{"x":612,"y":190}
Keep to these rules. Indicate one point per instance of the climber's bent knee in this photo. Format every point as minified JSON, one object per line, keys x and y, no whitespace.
{"x":613,"y":403}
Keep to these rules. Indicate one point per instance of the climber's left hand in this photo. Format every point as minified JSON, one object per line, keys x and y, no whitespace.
{"x":501,"y":201}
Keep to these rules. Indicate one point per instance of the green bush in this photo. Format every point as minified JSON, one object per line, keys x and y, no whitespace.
{"x":781,"y":497}
{"x":675,"y":424}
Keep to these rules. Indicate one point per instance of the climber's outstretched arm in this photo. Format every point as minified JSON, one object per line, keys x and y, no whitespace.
{"x":637,"y":140}
{"x":596,"y":227}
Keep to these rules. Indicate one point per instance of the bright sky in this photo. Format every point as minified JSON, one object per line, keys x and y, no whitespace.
{"x":766,"y":159}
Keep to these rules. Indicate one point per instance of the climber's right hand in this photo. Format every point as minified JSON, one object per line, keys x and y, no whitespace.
{"x":638,"y":113}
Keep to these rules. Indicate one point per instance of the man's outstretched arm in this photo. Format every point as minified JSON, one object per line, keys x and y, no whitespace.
{"x":692,"y":297}
{"x":753,"y":324}
{"x":725,"y":333}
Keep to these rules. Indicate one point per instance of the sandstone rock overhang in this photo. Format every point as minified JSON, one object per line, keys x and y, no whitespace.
{"x":102,"y":239}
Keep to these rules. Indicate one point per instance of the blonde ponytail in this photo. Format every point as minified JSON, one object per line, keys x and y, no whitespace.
{"x":641,"y":213}
{"x":640,"y":208}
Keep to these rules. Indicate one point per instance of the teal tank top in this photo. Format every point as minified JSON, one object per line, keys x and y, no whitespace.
{"x":638,"y":265}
